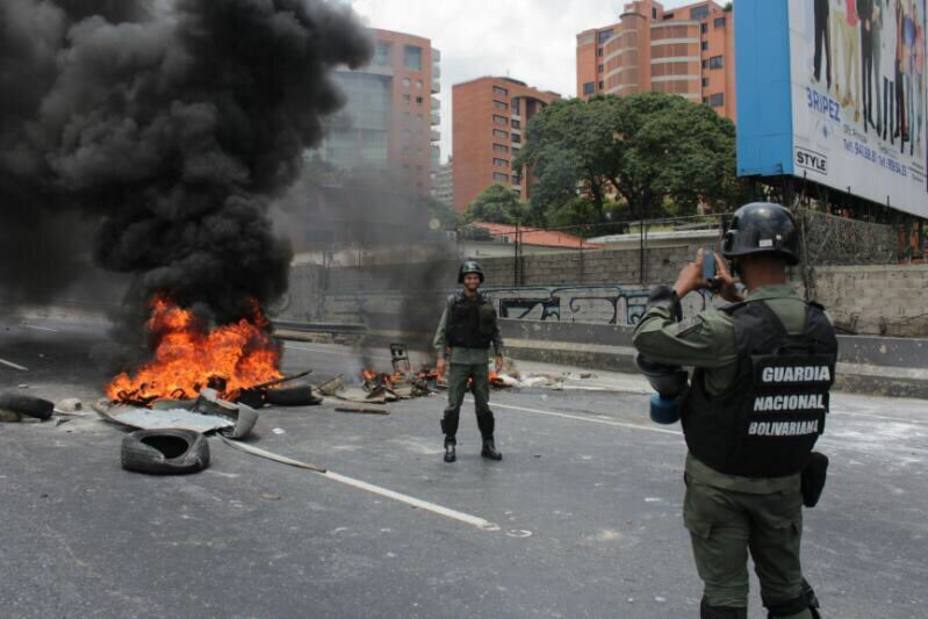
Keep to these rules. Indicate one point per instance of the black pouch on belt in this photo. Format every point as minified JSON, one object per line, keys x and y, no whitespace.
{"x":813,"y":478}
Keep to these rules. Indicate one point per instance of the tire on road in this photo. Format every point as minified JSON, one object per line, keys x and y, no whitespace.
{"x":165,"y":452}
{"x":298,"y":395}
{"x":27,"y":405}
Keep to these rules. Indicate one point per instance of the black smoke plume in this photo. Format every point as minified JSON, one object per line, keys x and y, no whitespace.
{"x":167,"y":127}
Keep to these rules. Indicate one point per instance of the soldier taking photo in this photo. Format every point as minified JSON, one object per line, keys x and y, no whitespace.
{"x":754,"y":408}
{"x":468,"y":326}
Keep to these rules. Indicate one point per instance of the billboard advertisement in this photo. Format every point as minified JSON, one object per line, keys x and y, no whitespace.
{"x":853,"y":74}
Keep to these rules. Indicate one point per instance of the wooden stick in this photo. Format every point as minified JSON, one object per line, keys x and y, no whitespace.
{"x":363,"y":411}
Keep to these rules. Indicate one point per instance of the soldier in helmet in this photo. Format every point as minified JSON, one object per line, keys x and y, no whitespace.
{"x":755,"y":407}
{"x":467,"y":328}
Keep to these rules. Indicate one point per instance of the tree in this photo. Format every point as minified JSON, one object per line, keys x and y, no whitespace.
{"x":658,"y":153}
{"x":447,"y":217}
{"x":497,"y":204}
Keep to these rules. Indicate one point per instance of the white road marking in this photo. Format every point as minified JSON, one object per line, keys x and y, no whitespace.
{"x":15,"y":366}
{"x":607,"y":422}
{"x":475,"y":521}
{"x":38,"y":328}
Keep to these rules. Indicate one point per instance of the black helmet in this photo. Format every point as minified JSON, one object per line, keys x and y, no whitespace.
{"x":762,"y":227}
{"x":470,"y":266}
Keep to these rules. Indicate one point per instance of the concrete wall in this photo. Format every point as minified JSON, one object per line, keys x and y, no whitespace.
{"x":876,"y":300}
{"x":593,"y":286}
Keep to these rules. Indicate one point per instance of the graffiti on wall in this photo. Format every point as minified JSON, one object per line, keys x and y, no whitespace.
{"x":614,"y":305}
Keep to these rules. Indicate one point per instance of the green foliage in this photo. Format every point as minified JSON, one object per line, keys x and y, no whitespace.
{"x":447,"y":217}
{"x":654,"y":153}
{"x":497,"y":204}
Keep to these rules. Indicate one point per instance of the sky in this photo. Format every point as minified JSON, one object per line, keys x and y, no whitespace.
{"x":530,"y":40}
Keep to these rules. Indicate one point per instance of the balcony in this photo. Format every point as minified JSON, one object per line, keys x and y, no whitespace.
{"x":436,"y":119}
{"x":436,"y":87}
{"x":435,"y":135}
{"x":436,"y":56}
{"x":436,"y":104}
{"x":436,"y":72}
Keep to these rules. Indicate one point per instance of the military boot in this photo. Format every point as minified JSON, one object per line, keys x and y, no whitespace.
{"x":489,"y":450}
{"x":450,"y":455}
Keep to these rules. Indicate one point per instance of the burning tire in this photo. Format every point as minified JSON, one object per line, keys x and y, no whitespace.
{"x":26,"y":405}
{"x":299,"y":395}
{"x":165,"y":452}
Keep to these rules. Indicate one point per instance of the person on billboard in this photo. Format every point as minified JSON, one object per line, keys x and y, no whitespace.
{"x":902,"y":128}
{"x":865,"y":15}
{"x":887,"y":20}
{"x":822,"y":43}
{"x":850,"y":39}
{"x":919,"y":71}
{"x":836,"y":19}
{"x":755,"y":407}
{"x":876,"y":35}
{"x":910,"y":54}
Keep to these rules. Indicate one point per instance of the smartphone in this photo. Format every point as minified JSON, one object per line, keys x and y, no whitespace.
{"x":708,"y":264}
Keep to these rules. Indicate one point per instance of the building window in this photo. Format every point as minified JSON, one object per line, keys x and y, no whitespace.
{"x":704,"y":46}
{"x":418,"y":100}
{"x":406,"y":83}
{"x":516,"y":179}
{"x":516,"y":124}
{"x":500,"y":92}
{"x":717,"y":99}
{"x":500,"y":163}
{"x":515,"y":105}
{"x":500,"y":105}
{"x":412,"y":57}
{"x":600,"y":68}
{"x":500,"y":178}
{"x":499,"y":133}
{"x":699,"y":12}
{"x":716,"y":62}
{"x":382,"y":54}
{"x":703,"y":28}
{"x":705,"y":64}
{"x":705,"y":82}
{"x":589,"y":88}
{"x":653,"y":13}
{"x":516,"y":139}
{"x":406,"y":98}
{"x":719,"y":22}
{"x":500,"y":148}
{"x":601,"y":84}
{"x":500,"y":120}
{"x":603,"y":36}
{"x":599,"y":52}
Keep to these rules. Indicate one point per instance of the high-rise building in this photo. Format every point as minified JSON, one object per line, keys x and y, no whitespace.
{"x":687,"y":51}
{"x":443,"y":184}
{"x":390,"y":122}
{"x":490,"y":114}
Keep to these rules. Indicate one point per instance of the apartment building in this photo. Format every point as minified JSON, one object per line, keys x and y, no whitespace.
{"x":391,"y":119}
{"x":490,"y":115}
{"x":687,"y":51}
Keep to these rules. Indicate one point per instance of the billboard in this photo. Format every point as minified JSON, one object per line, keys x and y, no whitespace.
{"x":843,"y":93}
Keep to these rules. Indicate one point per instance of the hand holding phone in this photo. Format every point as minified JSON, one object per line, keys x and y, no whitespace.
{"x":709,"y":269}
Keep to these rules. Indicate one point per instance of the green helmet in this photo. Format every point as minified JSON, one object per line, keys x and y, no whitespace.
{"x":762,"y":227}
{"x":470,"y":266}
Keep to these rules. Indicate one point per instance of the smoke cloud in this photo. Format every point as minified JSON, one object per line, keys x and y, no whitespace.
{"x":167,"y":127}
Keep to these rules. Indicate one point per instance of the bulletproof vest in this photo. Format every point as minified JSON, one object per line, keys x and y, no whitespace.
{"x":471,"y":322}
{"x":767,"y":422}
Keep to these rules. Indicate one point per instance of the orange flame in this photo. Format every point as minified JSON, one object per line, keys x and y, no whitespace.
{"x":187,"y":356}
